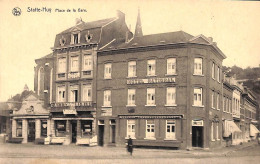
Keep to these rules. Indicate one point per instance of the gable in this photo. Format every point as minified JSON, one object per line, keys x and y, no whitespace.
{"x":201,"y":39}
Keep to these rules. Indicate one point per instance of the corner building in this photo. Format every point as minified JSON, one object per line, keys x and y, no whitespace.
{"x":157,"y":89}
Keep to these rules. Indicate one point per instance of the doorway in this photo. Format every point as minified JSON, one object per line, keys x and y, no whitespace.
{"x":31,"y":130}
{"x":74,"y":132}
{"x":112,"y":131}
{"x":197,"y":136}
{"x":101,"y":135}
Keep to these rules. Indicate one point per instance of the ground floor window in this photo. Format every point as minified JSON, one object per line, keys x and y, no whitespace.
{"x":19,"y":128}
{"x":170,"y":129}
{"x":86,"y":128}
{"x":130,"y":128}
{"x":150,"y":132}
{"x":60,"y":128}
{"x":212,"y":131}
{"x":44,"y":128}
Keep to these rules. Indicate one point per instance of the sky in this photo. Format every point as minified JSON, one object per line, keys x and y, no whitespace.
{"x":234,"y":25}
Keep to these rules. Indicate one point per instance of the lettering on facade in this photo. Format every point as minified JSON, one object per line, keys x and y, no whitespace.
{"x":151,"y":80}
{"x":153,"y":117}
{"x":73,"y":75}
{"x":69,"y":111}
{"x":72,"y":104}
{"x":197,"y":123}
{"x":106,"y":112}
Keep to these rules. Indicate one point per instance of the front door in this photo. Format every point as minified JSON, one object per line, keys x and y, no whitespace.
{"x":31,"y":130}
{"x":74,"y":132}
{"x":197,"y":136}
{"x":100,"y":135}
{"x":112,"y":133}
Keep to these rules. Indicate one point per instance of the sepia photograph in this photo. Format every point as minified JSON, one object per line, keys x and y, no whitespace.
{"x":123,"y":81}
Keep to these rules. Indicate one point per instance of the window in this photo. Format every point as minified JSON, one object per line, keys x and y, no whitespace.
{"x":60,"y":128}
{"x":218,"y":74}
{"x":87,"y":63}
{"x":62,"y":65}
{"x":171,"y":66}
{"x":75,"y":38}
{"x":87,"y":93}
{"x":171,"y":96}
{"x":230,"y":105}
{"x":170,"y":129}
{"x":224,"y":104}
{"x":150,"y":132}
{"x":150,"y":96}
{"x":130,"y":128}
{"x":44,"y":128}
{"x":217,"y":137}
{"x":19,"y":128}
{"x":107,"y":71}
{"x":151,"y":67}
{"x":86,"y":128}
{"x":132,"y":69}
{"x":107,"y":98}
{"x":74,"y":64}
{"x":197,"y":97}
{"x":74,"y":90}
{"x":217,"y":106}
{"x":213,"y":70}
{"x":131,"y":97}
{"x":61,"y":94}
{"x":198,"y":66}
{"x":212,"y":99}
{"x":212,"y":131}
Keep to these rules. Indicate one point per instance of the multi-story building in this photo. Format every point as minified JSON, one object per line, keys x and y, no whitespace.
{"x":66,"y":79}
{"x":160,"y":90}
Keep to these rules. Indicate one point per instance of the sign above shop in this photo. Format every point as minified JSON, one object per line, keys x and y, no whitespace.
{"x":197,"y":122}
{"x":72,"y":104}
{"x":152,"y":116}
{"x":151,"y":80}
{"x":106,"y":112}
{"x":69,"y":111}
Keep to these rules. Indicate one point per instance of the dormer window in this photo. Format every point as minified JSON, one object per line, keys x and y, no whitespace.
{"x":75,"y":38}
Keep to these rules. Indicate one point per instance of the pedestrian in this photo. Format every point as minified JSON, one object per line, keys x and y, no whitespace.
{"x":130,"y":145}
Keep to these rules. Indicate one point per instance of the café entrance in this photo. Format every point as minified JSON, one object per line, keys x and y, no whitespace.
{"x":197,"y":133}
{"x":31,"y":130}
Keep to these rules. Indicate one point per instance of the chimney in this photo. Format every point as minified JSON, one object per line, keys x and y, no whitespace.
{"x":138,"y":27}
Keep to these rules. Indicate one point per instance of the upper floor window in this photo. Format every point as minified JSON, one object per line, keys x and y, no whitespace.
{"x":61,"y":95}
{"x":150,"y":131}
{"x":151,"y":66}
{"x":74,"y":93}
{"x":74,"y":64}
{"x":217,"y":98}
{"x":197,"y":96}
{"x":171,"y":66}
{"x":87,"y":93}
{"x":212,"y":99}
{"x":62,"y":63}
{"x":131,"y":97}
{"x":218,"y":74}
{"x":107,"y":98}
{"x":107,"y":71}
{"x":150,"y":96}
{"x":213,"y":70}
{"x":130,"y":128}
{"x":198,"y":66}
{"x":171,"y":96}
{"x":87,"y":62}
{"x":132,"y":69}
{"x":75,"y":38}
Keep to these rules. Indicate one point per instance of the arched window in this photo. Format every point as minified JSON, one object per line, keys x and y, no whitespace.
{"x":40,"y":81}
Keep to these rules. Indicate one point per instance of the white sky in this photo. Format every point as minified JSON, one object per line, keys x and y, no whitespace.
{"x":234,"y":25}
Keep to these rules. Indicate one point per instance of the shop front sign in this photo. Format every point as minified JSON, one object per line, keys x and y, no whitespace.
{"x":69,"y":111}
{"x":197,"y":122}
{"x":72,"y":104}
{"x":151,"y":80}
{"x":106,"y":112}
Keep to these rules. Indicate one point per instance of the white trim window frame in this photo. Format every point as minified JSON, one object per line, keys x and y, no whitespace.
{"x":74,"y":63}
{"x":130,"y":129}
{"x":171,"y":66}
{"x":150,"y":129}
{"x":212,"y":99}
{"x":197,"y":100}
{"x":213,"y":71}
{"x":86,"y":92}
{"x":62,"y":65}
{"x":107,"y":98}
{"x":87,"y":62}
{"x":75,"y":37}
{"x":61,"y":93}
{"x":150,"y":97}
{"x":217,"y":133}
{"x":132,"y":69}
{"x":74,"y":93}
{"x":218,"y":74}
{"x":107,"y":70}
{"x":171,"y":96}
{"x":212,"y":131}
{"x":131,"y":97}
{"x":151,"y":67}
{"x":198,"y":66}
{"x":170,"y":130}
{"x":217,"y":101}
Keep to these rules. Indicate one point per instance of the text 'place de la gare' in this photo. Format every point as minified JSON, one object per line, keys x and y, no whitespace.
{"x":103,"y":83}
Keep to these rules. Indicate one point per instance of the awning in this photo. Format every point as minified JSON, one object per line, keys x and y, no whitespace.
{"x":230,"y":127}
{"x":253,"y":130}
